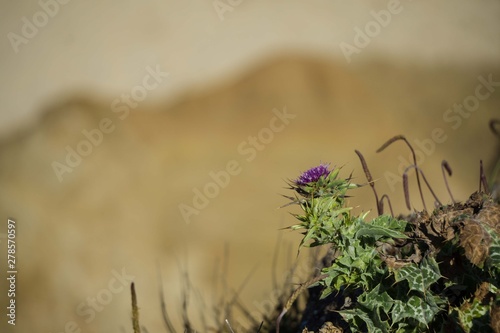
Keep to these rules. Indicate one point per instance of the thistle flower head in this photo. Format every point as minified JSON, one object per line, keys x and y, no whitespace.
{"x":322,"y":181}
{"x":313,"y":174}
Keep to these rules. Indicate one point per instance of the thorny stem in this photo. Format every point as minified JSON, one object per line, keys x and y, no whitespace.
{"x":446,"y":166}
{"x":402,"y":137}
{"x":295,"y":294}
{"x":380,"y":209}
{"x":406,"y":190}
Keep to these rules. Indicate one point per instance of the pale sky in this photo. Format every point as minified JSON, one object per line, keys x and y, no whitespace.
{"x":105,"y":47}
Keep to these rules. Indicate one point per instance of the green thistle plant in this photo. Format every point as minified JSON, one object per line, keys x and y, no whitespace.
{"x":401,"y":274}
{"x":322,"y":196}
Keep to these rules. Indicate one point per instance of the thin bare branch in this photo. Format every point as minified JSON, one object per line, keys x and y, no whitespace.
{"x":135,"y":310}
{"x":274,"y":262}
{"x":185,"y":294}
{"x":369,"y":178}
{"x":229,"y":326}
{"x":166,"y":319}
{"x":294,"y":296}
{"x":402,"y":137}
{"x":234,"y":300}
{"x":385,"y":196}
{"x":391,"y":141}
{"x":483,"y":182}
{"x":446,"y":166}
{"x":246,"y":313}
{"x":407,"y":192}
{"x":493,"y":126}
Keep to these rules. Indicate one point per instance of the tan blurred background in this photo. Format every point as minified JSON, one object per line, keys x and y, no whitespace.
{"x":224,"y":70}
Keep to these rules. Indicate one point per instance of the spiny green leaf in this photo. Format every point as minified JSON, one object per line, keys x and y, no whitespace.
{"x":474,"y":314}
{"x":407,"y":328}
{"x":378,"y":232}
{"x":415,"y":308}
{"x":421,"y":277}
{"x":373,"y":307}
{"x":494,"y":251}
{"x":389,"y":222}
{"x":374,"y":300}
{"x":354,"y":316}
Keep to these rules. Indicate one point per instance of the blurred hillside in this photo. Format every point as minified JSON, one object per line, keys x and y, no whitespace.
{"x":104,"y":46}
{"x":141,"y":136}
{"x":119,"y":208}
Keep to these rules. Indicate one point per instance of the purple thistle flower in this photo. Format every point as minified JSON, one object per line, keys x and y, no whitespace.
{"x":313,"y":174}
